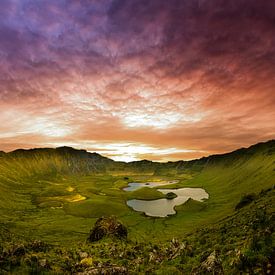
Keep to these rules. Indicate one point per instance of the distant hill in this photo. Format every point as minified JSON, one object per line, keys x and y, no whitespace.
{"x":70,"y":160}
{"x":266,"y":148}
{"x":61,"y":160}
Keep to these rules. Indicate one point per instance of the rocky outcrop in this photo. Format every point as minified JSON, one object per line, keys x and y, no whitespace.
{"x":107,"y":226}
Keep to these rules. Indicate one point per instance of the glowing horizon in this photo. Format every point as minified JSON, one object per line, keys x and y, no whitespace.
{"x":161,"y":80}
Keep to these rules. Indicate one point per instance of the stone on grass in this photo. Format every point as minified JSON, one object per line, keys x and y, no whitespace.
{"x":107,"y":227}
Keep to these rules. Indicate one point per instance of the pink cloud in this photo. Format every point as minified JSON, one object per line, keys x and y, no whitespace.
{"x":162,"y":74}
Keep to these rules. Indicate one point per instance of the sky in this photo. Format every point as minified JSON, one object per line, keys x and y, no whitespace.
{"x":137,"y":79}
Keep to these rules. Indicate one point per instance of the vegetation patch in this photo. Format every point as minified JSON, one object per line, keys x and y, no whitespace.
{"x":70,"y":189}
{"x":96,"y":207}
{"x":145,"y":193}
{"x":170,"y":196}
{"x":245,"y":200}
{"x":191,"y":206}
{"x":42,"y":201}
{"x":75,"y":198}
{"x":53,"y":204}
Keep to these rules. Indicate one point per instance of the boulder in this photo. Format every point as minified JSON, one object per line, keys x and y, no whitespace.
{"x":19,"y":250}
{"x":107,"y":226}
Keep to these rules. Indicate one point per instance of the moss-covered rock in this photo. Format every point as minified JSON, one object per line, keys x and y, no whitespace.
{"x":107,"y":226}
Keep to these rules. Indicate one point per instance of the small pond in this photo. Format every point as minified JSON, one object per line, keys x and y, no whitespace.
{"x":164,"y":207}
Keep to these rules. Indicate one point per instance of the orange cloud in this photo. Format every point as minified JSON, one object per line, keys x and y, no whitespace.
{"x":141,"y":79}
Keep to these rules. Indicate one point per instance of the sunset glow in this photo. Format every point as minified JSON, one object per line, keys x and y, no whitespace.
{"x":161,"y":80}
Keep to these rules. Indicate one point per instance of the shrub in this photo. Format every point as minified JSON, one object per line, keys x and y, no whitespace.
{"x":170,"y":196}
{"x":245,"y":200}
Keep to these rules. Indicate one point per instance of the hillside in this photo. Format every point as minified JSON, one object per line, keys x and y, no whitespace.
{"x":56,"y":195}
{"x":48,"y":161}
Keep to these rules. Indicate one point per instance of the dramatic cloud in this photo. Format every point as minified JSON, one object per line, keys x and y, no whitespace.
{"x":155,"y":79}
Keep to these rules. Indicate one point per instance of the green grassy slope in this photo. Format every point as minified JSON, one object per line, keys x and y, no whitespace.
{"x":57,"y":194}
{"x":226,"y":178}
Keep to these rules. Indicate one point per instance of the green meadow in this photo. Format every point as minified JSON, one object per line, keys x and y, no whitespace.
{"x":56,"y":195}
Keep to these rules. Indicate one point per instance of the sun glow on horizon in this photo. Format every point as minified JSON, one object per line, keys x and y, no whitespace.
{"x":127,"y":152}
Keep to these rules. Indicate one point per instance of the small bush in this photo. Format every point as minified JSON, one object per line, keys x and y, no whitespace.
{"x":245,"y":200}
{"x":170,"y":196}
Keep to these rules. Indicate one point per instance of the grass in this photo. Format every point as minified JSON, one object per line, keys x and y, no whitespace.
{"x":96,"y":207}
{"x":145,"y":193}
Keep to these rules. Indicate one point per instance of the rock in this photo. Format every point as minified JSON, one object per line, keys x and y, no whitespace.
{"x":83,"y":255}
{"x":44,"y":263}
{"x":112,"y":270}
{"x":107,"y":226}
{"x":138,"y":261}
{"x":212,"y":265}
{"x":38,"y":246}
{"x":19,"y":250}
